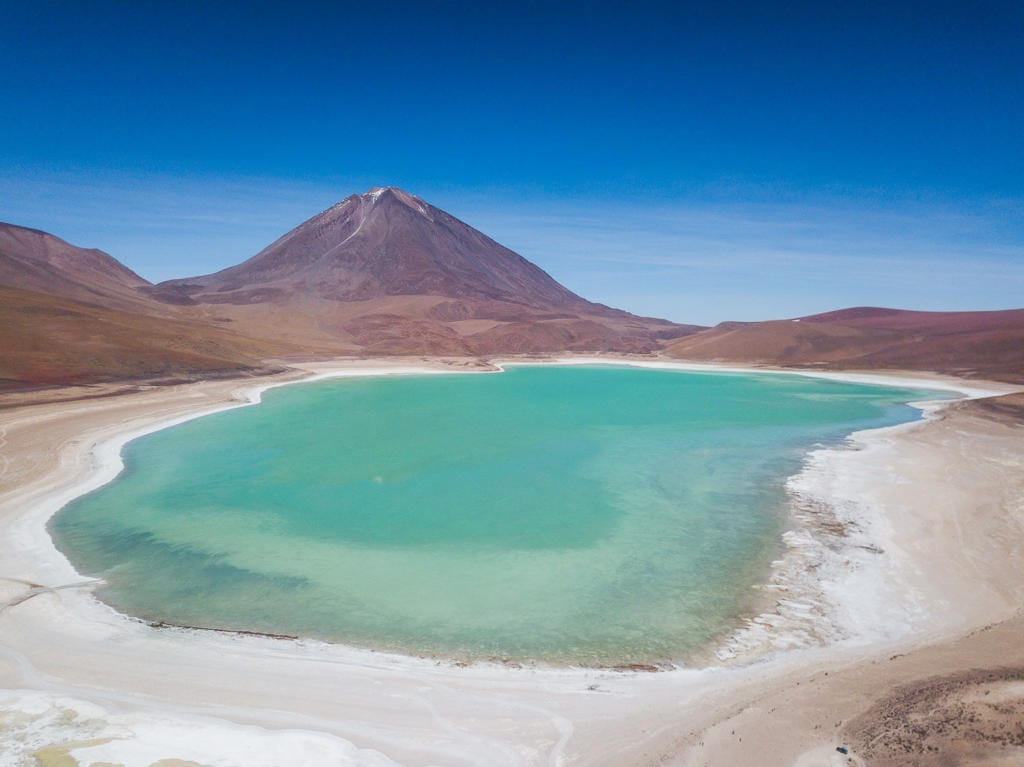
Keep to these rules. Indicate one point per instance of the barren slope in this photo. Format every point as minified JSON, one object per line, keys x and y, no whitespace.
{"x":387,"y":273}
{"x":50,"y":340}
{"x":985,"y":344}
{"x":40,"y":262}
{"x":72,"y":315}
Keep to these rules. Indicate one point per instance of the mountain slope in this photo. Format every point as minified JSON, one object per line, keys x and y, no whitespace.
{"x":386,"y":272}
{"x":386,"y":242}
{"x":984,"y":344}
{"x":48,"y":340}
{"x":40,"y":262}
{"x":76,"y":315}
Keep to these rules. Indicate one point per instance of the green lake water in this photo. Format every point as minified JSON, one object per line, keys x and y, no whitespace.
{"x":592,"y":515}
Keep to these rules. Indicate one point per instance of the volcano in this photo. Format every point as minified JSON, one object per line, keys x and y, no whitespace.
{"x":387,"y":272}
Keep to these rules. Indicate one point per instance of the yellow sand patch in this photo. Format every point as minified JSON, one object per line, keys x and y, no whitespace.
{"x":58,"y":756}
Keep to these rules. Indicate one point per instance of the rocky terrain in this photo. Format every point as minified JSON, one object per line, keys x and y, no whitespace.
{"x":974,"y":717}
{"x":386,"y":273}
{"x":973,"y":344}
{"x":73,"y":315}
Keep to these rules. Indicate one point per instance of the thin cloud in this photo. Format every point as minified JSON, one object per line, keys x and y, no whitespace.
{"x":690,"y":260}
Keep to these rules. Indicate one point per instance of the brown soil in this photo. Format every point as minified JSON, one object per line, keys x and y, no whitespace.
{"x":50,"y":340}
{"x":973,"y":717}
{"x":969,"y":344}
{"x":1009,"y":407}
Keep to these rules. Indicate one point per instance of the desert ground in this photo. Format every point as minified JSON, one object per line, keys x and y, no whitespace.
{"x":922,"y":662}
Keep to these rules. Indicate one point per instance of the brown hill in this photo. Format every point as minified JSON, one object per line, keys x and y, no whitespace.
{"x":76,"y":315}
{"x":49,"y":340}
{"x":381,"y":273}
{"x":40,"y":262}
{"x":387,"y":273}
{"x":982,"y":344}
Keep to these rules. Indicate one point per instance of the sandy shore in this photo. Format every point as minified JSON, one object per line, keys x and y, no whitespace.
{"x":926,"y":523}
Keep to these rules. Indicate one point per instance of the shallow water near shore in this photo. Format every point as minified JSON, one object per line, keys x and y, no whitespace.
{"x":586,"y":515}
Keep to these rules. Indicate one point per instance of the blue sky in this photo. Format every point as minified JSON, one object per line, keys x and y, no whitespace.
{"x":702,"y":162}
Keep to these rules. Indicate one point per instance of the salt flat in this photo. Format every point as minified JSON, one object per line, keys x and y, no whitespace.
{"x":942,"y":533}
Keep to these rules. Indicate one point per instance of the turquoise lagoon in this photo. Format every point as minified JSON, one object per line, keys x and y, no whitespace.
{"x":586,"y":515}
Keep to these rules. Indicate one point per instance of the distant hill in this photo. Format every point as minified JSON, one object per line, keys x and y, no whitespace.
{"x":40,"y":262}
{"x":76,"y":315}
{"x":381,"y":273}
{"x":48,"y":340}
{"x":980,"y":344}
{"x":386,"y":272}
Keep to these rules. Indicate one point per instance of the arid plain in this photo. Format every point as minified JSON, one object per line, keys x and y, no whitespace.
{"x":918,"y":648}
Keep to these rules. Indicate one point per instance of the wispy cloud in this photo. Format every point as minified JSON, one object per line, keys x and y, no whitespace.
{"x":161,"y":226}
{"x":708,"y":262}
{"x":690,"y":260}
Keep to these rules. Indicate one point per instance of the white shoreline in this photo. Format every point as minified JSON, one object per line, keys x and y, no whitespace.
{"x":107,"y":463}
{"x":787,"y":628}
{"x":91,"y":621}
{"x":107,"y":459}
{"x":827,"y":589}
